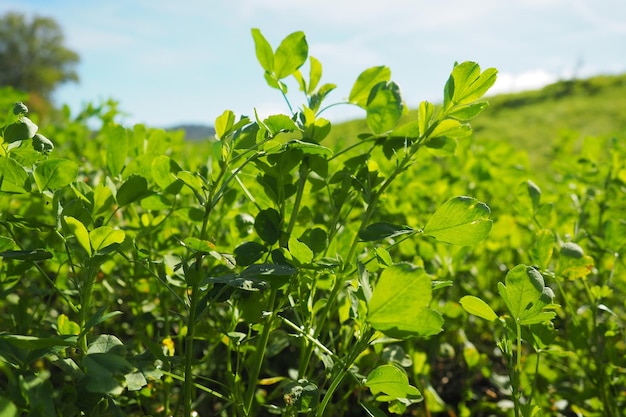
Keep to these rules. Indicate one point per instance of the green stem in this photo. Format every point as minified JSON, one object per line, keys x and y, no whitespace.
{"x":259,"y":355}
{"x":517,"y":370}
{"x":191,"y":327}
{"x":304,"y":171}
{"x":344,"y":370}
{"x":86,"y":296}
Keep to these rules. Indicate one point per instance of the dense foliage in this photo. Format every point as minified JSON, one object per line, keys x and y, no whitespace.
{"x":412,"y":271}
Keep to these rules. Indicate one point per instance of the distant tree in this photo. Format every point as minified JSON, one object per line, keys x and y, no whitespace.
{"x":33,"y":57}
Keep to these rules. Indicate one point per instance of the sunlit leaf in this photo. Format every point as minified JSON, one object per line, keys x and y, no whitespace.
{"x":384,"y":107}
{"x":224,"y":123}
{"x":542,"y":249}
{"x":55,"y":173}
{"x":65,"y":326}
{"x":460,"y":221}
{"x":525,"y":295}
{"x":263,"y":50}
{"x":13,"y":177}
{"x":399,"y":303}
{"x":290,"y":54}
{"x":116,"y":148}
{"x":362,"y":87}
{"x":300,"y":251}
{"x":199,"y":245}
{"x":78,"y":229}
{"x":315,"y":74}
{"x":391,"y":382}
{"x":478,"y":307}
{"x":105,"y":236}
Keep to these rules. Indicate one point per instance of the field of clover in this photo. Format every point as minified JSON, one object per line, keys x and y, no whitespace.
{"x":274,"y":270}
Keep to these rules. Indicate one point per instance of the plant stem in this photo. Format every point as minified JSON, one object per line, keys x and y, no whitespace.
{"x":191,"y":326}
{"x":517,"y":370}
{"x":344,"y":370}
{"x":259,"y":355}
{"x":304,"y":171}
{"x":86,"y":296}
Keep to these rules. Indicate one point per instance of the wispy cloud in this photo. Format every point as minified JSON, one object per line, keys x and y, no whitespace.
{"x":530,"y":80}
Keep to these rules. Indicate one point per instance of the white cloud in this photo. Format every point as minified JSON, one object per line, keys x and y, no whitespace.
{"x":529,"y":80}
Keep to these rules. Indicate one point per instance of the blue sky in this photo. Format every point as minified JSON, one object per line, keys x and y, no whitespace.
{"x":169,"y":62}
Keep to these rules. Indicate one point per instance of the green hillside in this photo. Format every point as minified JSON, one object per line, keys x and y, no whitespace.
{"x":535,"y":120}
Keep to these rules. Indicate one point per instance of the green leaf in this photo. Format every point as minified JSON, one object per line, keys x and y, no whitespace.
{"x":27,"y":255}
{"x":460,"y":221}
{"x":6,"y":243}
{"x":399,"y":303}
{"x":80,"y":232}
{"x":425,"y":114}
{"x":361,"y":89}
{"x":263,"y":50}
{"x":65,"y":326}
{"x":383,"y":256}
{"x":99,"y":317}
{"x":267,"y":225}
{"x":32,"y":342}
{"x":573,"y":263}
{"x":278,"y":123}
{"x":224,"y":124}
{"x":410,"y":130}
{"x":442,"y":146}
{"x":315,"y":74}
{"x":104,"y":372}
{"x":42,"y":144}
{"x":55,"y":173}
{"x":8,"y":408}
{"x":270,"y":270}
{"x":22,"y":129}
{"x":164,"y":170}
{"x":116,"y":148}
{"x":197,"y":245}
{"x":135,"y":381}
{"x":467,"y":111}
{"x":317,"y":131}
{"x":450,"y":128}
{"x":301,"y":396}
{"x":308,"y":148}
{"x":372,"y":411}
{"x":133,"y":189}
{"x":388,"y":382}
{"x":383,"y":230}
{"x":384,"y":107}
{"x":478,"y":307}
{"x":300,"y":251}
{"x":106,"y":343}
{"x":249,"y":252}
{"x":105,"y":236}
{"x":290,"y":55}
{"x":525,"y":295}
{"x":467,"y":84}
{"x":542,"y":249}
{"x":13,"y":177}
{"x":192,"y":181}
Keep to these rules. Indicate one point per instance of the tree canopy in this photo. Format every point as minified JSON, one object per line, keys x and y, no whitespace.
{"x":33,"y":57}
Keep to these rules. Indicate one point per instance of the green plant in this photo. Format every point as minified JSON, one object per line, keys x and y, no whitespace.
{"x":271,"y":271}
